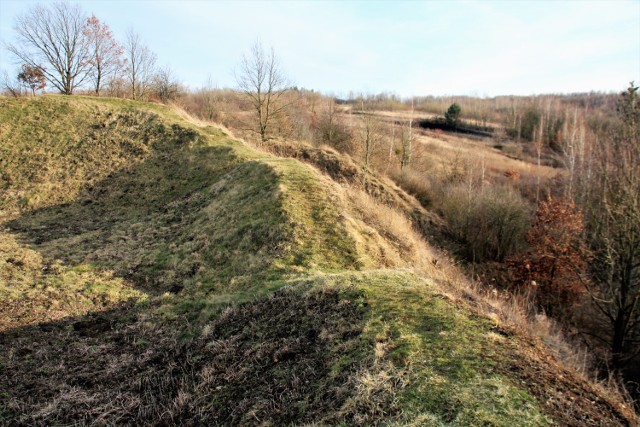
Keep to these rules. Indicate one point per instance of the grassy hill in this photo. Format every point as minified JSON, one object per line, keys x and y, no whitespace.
{"x":155,"y":272}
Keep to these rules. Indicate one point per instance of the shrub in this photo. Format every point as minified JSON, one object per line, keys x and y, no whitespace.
{"x":452,"y":116}
{"x":555,"y":259}
{"x":330,"y":130}
{"x":414,"y":183}
{"x":490,"y":222}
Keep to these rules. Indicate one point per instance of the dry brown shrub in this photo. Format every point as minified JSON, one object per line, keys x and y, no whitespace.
{"x":554,"y":266}
{"x":512,"y":175}
{"x":414,"y":183}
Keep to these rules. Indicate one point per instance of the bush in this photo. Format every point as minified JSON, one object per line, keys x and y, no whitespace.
{"x":414,"y":183}
{"x":330,"y":130}
{"x":491,"y":222}
{"x":556,"y":258}
{"x":453,"y":115}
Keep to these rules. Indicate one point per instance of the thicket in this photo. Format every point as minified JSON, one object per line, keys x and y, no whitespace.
{"x":552,"y":270}
{"x":491,"y":222}
{"x":605,"y":182}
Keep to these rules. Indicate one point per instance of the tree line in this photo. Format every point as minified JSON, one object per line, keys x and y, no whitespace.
{"x":60,"y":45}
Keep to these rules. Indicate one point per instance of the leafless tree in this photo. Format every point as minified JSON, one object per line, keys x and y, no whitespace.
{"x":261,"y":78}
{"x":105,"y":54}
{"x":369,"y":137}
{"x":611,"y":206}
{"x":211,"y":99}
{"x":166,"y":85}
{"x":117,"y":85}
{"x":53,"y":35}
{"x":538,"y":140}
{"x":575,"y":154}
{"x":407,"y":141}
{"x":10,"y":86}
{"x":330,"y":129}
{"x":141,"y":63}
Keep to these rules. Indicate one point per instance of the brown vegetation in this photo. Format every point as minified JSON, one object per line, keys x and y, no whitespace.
{"x":553,"y":270}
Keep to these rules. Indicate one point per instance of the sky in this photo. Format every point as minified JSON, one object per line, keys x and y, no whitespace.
{"x":407,"y":48}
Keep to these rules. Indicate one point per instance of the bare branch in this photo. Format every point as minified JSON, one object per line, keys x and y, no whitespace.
{"x":141,"y":65}
{"x":263,"y":82}
{"x":105,"y":55}
{"x":53,"y":36}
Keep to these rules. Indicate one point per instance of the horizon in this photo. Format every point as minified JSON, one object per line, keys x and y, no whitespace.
{"x":407,"y":49}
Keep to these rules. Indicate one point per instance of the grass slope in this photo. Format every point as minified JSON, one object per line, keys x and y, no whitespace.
{"x":157,"y":204}
{"x":157,"y":273}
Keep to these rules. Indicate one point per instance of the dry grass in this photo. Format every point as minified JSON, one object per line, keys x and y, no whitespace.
{"x":387,"y":235}
{"x":289,"y":357}
{"x":185,"y":115}
{"x":478,"y":154}
{"x":518,"y":313}
{"x":416,"y":184}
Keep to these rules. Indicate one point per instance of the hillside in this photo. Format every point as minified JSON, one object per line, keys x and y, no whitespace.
{"x":156,"y":272}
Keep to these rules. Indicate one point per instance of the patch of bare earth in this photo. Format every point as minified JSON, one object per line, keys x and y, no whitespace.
{"x":564,"y":396}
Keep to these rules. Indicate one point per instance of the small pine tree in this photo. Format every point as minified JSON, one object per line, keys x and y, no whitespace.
{"x":452,"y":115}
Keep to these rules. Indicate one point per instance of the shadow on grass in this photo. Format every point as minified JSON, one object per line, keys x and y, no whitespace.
{"x":186,"y":215}
{"x":181,"y":214}
{"x":270,"y":361}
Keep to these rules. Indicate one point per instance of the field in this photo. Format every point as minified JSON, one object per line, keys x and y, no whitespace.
{"x":155,"y":270}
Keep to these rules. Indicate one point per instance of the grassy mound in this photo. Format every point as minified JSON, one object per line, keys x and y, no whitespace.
{"x":375,"y":348}
{"x":141,"y":195}
{"x":157,"y":273}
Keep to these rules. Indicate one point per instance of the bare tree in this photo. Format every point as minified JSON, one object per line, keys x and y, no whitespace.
{"x":105,"y":54}
{"x":262,"y":80}
{"x":392,"y":145}
{"x":10,"y":86}
{"x":141,"y":65}
{"x":612,"y":212}
{"x":211,"y":99}
{"x":538,"y":140}
{"x":53,"y":35}
{"x":166,"y":85}
{"x":331,"y":130}
{"x":117,"y":84}
{"x":369,"y":136}
{"x":574,"y":148}
{"x":407,"y":143}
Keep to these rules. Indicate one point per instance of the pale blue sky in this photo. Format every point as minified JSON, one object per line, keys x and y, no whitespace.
{"x":483,"y":48}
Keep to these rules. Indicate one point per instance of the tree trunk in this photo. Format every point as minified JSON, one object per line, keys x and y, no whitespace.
{"x":98,"y":78}
{"x":617,"y":343}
